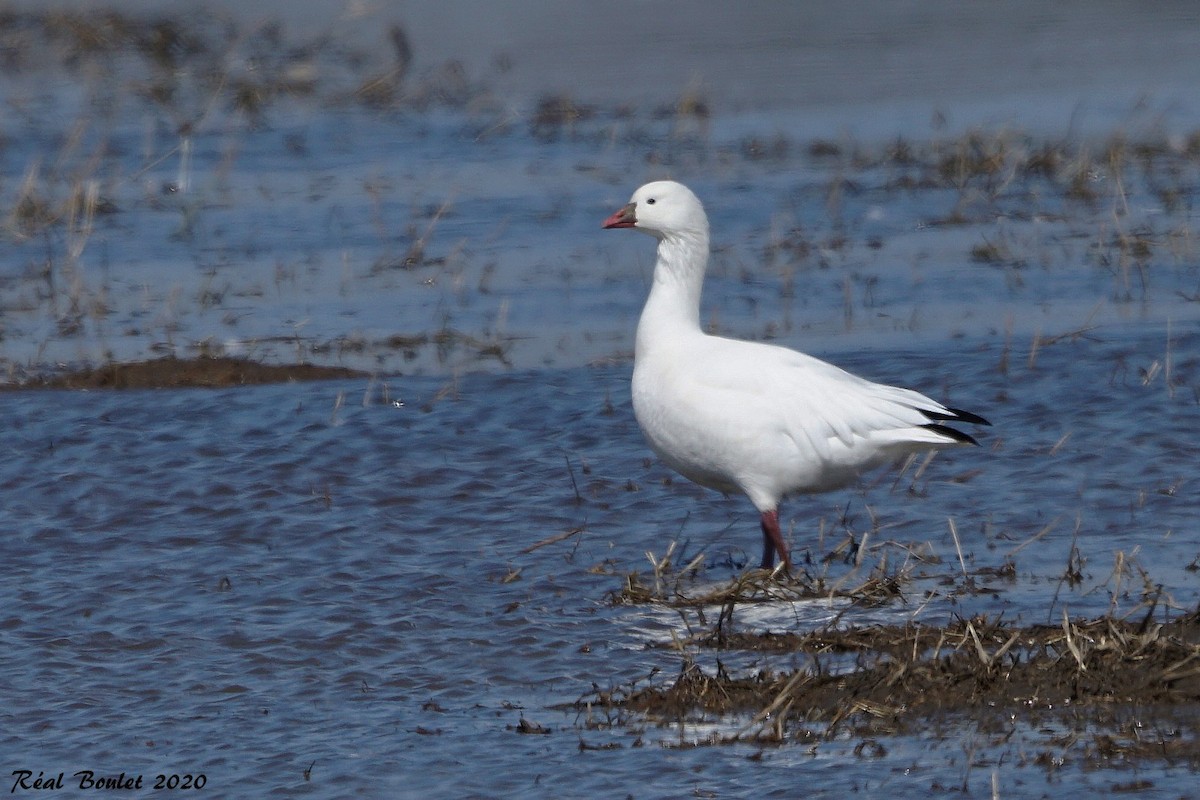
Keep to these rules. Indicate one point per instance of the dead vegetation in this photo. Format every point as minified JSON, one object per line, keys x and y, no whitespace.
{"x":761,"y":586}
{"x":885,"y":580}
{"x":211,"y":60}
{"x":200,"y":79}
{"x":880,"y":680}
{"x":1126,"y":683}
{"x":208,"y":87}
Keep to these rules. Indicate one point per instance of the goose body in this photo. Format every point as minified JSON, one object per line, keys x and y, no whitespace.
{"x":751,"y":417}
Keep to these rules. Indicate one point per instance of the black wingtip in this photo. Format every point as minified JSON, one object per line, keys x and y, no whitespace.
{"x":951,"y":433}
{"x":956,"y":415}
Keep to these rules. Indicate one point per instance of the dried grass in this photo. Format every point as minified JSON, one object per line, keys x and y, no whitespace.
{"x":899,"y":676}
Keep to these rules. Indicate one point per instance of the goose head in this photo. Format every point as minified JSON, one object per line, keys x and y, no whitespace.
{"x":663,"y":209}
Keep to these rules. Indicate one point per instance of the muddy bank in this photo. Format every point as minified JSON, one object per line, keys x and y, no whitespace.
{"x":901,"y":673}
{"x":1109,"y":689}
{"x":176,"y":373}
{"x":1128,"y":689}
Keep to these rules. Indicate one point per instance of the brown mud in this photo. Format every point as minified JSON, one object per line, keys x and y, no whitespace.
{"x":175,"y":373}
{"x":1126,"y":687}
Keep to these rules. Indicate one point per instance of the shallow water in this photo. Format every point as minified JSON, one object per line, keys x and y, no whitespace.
{"x":245,"y":583}
{"x":328,"y":590}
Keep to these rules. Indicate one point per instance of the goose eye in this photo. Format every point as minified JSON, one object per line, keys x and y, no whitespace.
{"x":651,"y":201}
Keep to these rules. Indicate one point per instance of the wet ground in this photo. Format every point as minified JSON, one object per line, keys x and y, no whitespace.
{"x":171,"y":372}
{"x":370,"y":516}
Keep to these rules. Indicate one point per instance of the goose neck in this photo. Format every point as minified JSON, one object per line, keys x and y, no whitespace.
{"x":673,"y":306}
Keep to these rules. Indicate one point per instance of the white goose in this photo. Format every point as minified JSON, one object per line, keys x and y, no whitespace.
{"x":752,"y":417}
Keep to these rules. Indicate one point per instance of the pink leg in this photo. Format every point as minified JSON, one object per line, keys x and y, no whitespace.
{"x":773,"y":541}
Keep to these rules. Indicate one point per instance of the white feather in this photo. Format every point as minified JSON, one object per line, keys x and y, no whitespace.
{"x":746,"y":416}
